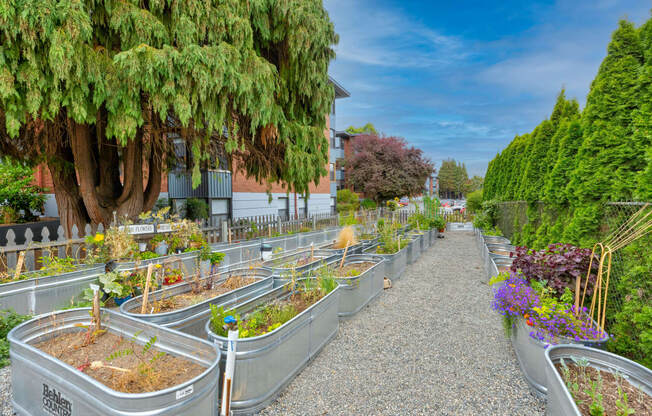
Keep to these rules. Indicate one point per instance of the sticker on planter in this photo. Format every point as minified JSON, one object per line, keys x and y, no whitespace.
{"x":55,"y":403}
{"x":185,"y":392}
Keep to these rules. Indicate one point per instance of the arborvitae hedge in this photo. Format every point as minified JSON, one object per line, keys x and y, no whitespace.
{"x":577,"y":162}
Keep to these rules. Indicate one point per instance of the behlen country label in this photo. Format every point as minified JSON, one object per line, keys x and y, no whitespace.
{"x":55,"y":403}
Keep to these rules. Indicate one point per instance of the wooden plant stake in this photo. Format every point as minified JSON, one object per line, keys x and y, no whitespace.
{"x":150,"y":269}
{"x":229,"y":236}
{"x":19,"y":265}
{"x":96,"y":310}
{"x":269,"y":230}
{"x":346,"y":249}
{"x":312,"y":251}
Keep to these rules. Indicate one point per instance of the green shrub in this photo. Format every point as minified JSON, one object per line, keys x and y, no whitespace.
{"x":196,"y":209}
{"x":368,"y":204}
{"x":18,"y":197}
{"x":8,"y":320}
{"x":347,"y":201}
{"x":474,"y":201}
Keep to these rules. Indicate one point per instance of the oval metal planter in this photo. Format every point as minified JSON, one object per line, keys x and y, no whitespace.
{"x":495,"y":239}
{"x":190,"y":262}
{"x":284,"y":242}
{"x":313,"y":237}
{"x":358,"y":291}
{"x":503,"y":250}
{"x":414,"y":249}
{"x":279,"y":268}
{"x":353,"y":249}
{"x":192,"y":319}
{"x":265,"y":364}
{"x":421,"y":237}
{"x":531,"y":356}
{"x":395,"y":264}
{"x":559,"y":401}
{"x":238,"y":253}
{"x":39,"y":295}
{"x":79,"y":394}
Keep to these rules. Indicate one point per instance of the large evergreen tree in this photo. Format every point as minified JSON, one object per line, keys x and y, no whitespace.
{"x":98,"y":89}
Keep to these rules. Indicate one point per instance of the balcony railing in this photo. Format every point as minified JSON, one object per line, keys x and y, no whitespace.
{"x":214,"y":184}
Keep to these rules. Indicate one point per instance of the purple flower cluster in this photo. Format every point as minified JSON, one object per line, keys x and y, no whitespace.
{"x":550,"y":319}
{"x":515,"y":297}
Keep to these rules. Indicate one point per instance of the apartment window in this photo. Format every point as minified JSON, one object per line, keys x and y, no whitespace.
{"x":332,"y":171}
{"x":338,"y":143}
{"x":283,"y":207}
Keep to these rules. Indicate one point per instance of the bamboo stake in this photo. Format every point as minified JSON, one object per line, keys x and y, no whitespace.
{"x":19,"y":265}
{"x":96,"y":310}
{"x":312,"y":251}
{"x":346,"y":249}
{"x":150,"y":269}
{"x":229,"y":236}
{"x":606,"y":290}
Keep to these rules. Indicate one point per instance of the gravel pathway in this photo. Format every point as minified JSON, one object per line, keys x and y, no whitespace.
{"x":430,"y":345}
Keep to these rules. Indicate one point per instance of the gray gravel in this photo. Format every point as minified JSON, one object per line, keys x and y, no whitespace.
{"x":5,"y":392}
{"x":430,"y":345}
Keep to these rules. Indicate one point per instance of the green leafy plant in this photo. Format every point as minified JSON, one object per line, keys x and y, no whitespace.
{"x":196,"y":209}
{"x":146,"y":255}
{"x":348,"y":201}
{"x":368,"y":204}
{"x":439,"y":222}
{"x":8,"y":320}
{"x":18,"y":197}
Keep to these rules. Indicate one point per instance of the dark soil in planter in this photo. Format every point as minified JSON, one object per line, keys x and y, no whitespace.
{"x":348,"y":270}
{"x":583,"y":377}
{"x":194,"y":297}
{"x":148,"y":370}
{"x":301,"y":262}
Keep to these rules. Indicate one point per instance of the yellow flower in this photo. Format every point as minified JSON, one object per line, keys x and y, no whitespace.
{"x":158,"y":266}
{"x":98,"y":238}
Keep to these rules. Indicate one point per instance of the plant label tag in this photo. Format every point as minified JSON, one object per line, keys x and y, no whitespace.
{"x":94,"y":287}
{"x":185,"y":392}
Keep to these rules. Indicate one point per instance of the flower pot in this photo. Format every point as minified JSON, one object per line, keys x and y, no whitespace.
{"x":204,"y":268}
{"x":39,"y":294}
{"x":265,"y":364}
{"x":161,"y":248}
{"x":531,"y":355}
{"x":120,"y":301}
{"x":191,"y":320}
{"x":441,"y":230}
{"x":394,"y":263}
{"x":358,"y":291}
{"x":559,"y":401}
{"x":43,"y":382}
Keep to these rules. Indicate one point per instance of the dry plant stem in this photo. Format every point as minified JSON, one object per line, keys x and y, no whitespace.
{"x":346,"y":249}
{"x":19,"y":265}
{"x":150,"y":269}
{"x":96,"y":311}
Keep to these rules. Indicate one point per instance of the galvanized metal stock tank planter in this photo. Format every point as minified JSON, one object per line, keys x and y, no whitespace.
{"x":281,"y":265}
{"x":531,"y":355}
{"x":358,"y":291}
{"x":413,"y":248}
{"x":238,"y":253}
{"x":353,"y":249}
{"x":559,"y":401}
{"x":190,"y":261}
{"x":38,"y":295}
{"x":267,"y":363}
{"x":192,"y":319}
{"x":395,"y":264}
{"x":79,"y":394}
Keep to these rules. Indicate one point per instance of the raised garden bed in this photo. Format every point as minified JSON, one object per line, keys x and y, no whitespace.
{"x":361,"y":279}
{"x":188,"y":259}
{"x":299,"y":263}
{"x":531,"y":354}
{"x":395,"y":264}
{"x":574,"y":385}
{"x":36,"y":293}
{"x":186,"y":307}
{"x":266,"y":363}
{"x":354,"y":248}
{"x":413,"y":249}
{"x":132,"y":368}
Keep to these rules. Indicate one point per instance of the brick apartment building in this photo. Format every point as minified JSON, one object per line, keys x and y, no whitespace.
{"x":231,"y":195}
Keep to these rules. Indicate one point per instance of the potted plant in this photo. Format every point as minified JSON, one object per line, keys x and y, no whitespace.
{"x":172,"y":277}
{"x":279,"y":332}
{"x":159,"y":244}
{"x":439,"y":223}
{"x":209,"y":261}
{"x":87,"y":363}
{"x":589,"y":381}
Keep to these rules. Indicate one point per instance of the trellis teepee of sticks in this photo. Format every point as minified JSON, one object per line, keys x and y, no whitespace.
{"x":636,"y":227}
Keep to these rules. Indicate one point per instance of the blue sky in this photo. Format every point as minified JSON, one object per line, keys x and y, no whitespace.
{"x":461,"y":79}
